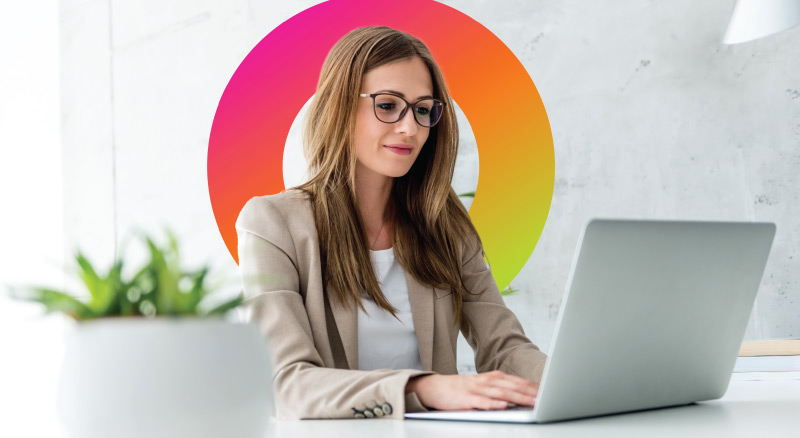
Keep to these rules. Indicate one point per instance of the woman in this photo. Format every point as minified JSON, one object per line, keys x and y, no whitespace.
{"x":361,"y":278}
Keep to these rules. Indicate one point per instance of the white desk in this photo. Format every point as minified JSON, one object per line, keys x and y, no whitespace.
{"x":749,"y":409}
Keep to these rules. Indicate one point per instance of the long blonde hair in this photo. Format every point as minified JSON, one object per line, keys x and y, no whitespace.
{"x":426,"y":219}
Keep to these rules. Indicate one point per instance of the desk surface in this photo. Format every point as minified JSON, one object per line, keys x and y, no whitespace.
{"x":748,"y":409}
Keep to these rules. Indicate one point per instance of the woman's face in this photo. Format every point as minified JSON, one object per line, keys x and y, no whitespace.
{"x":389,"y":149}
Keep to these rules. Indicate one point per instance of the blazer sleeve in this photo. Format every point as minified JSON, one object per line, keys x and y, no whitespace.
{"x":490,"y":328}
{"x":303,"y":387}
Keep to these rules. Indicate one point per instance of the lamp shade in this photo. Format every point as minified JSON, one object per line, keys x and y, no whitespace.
{"x":754,"y":19}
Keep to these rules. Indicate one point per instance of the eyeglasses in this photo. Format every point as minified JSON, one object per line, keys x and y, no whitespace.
{"x":390,"y":108}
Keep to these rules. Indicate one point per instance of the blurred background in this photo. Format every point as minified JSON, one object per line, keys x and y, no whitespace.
{"x":106,"y":108}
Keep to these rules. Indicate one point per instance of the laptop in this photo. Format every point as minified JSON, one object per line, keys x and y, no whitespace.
{"x":653,"y":316}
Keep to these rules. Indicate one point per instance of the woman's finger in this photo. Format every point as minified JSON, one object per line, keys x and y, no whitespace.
{"x":505,"y":394}
{"x":499,"y":374}
{"x":515,"y":383}
{"x":486,"y":403}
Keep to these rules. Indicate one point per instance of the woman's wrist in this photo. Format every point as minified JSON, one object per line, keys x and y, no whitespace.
{"x":413,"y":383}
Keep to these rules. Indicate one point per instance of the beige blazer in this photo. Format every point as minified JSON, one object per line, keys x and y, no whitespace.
{"x":313,"y":340}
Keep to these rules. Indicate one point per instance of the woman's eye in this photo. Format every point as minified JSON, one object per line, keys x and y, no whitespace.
{"x":385,"y":106}
{"x":423,"y":111}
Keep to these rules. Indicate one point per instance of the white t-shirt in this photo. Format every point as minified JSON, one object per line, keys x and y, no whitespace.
{"x":383,"y":341}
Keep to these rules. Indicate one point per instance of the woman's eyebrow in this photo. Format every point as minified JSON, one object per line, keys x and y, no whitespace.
{"x":401,"y":94}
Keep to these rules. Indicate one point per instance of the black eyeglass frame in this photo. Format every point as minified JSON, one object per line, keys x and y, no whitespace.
{"x":408,"y":104}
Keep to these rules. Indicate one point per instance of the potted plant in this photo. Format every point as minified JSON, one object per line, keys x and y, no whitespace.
{"x":149,"y":358}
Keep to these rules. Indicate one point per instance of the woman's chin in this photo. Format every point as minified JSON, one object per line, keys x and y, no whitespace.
{"x":397,"y":173}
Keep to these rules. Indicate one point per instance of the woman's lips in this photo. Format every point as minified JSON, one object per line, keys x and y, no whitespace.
{"x":399,"y":149}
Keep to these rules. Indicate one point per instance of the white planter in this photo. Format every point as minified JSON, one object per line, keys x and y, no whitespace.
{"x":164,"y":377}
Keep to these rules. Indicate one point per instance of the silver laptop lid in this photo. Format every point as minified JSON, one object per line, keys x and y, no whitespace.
{"x":653,"y":316}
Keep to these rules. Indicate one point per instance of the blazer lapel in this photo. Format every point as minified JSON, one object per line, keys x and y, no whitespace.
{"x":346,"y":318}
{"x":421,"y":299}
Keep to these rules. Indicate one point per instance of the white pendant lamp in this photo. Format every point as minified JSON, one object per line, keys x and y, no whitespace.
{"x":754,"y":19}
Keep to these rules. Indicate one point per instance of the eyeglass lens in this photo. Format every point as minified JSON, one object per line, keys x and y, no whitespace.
{"x":388,"y":108}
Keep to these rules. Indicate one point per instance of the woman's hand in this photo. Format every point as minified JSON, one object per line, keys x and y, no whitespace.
{"x":491,"y":390}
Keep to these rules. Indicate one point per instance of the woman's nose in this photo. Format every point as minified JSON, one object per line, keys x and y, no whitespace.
{"x":407,"y":125}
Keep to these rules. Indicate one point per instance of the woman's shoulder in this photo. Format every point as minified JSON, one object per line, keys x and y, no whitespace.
{"x":285,"y":200}
{"x":290,"y":207}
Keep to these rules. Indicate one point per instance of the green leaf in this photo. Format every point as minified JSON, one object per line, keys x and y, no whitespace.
{"x":173,"y":243}
{"x":165,"y":286}
{"x":468,"y":194}
{"x":103,"y":291}
{"x":193,"y":296}
{"x":89,"y":276}
{"x":117,"y":289}
{"x":54,"y":300}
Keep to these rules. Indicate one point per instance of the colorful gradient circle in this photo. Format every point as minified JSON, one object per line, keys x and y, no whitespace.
{"x":515,"y":186}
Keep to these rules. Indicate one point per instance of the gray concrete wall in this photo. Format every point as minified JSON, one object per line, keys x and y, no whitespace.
{"x":652,"y":117}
